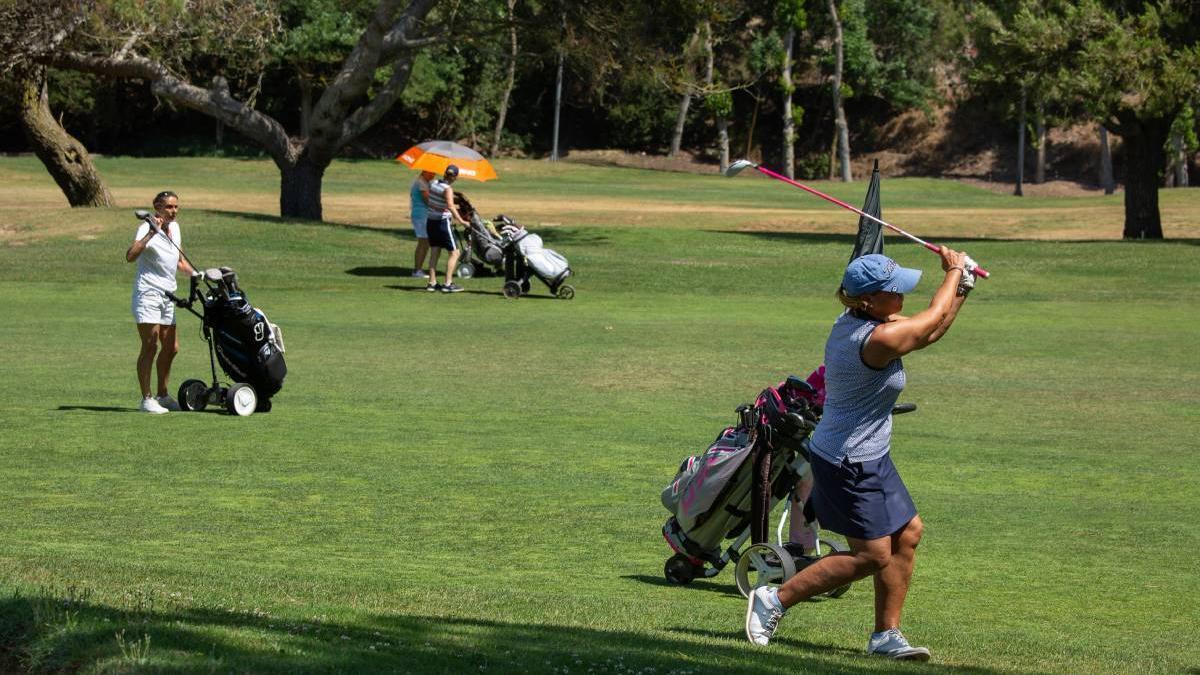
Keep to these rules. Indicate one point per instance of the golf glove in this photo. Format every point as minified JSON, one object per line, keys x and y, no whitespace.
{"x":968,"y":277}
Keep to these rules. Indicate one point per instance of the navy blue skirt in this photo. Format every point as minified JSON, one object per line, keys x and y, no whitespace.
{"x":864,"y":500}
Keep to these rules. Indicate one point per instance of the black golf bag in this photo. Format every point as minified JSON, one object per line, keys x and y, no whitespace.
{"x":241,"y":338}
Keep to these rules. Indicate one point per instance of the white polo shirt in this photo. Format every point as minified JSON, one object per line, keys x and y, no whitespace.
{"x":158,"y":262}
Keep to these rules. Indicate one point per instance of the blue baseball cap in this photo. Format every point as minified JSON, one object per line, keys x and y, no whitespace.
{"x":877,"y":272}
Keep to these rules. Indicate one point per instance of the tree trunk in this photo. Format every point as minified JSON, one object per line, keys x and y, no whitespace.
{"x":789,"y":124}
{"x":723,"y":142}
{"x":558,"y":90}
{"x":1106,"y":166}
{"x":509,"y":79}
{"x":1180,"y":160}
{"x":753,"y":123}
{"x":305,"y":107}
{"x":63,"y":156}
{"x":1039,"y":174}
{"x":680,"y":120}
{"x":843,"y":131}
{"x":685,"y":101}
{"x":1020,"y":145}
{"x":300,"y":189}
{"x":1144,"y":162}
{"x":220,"y":134}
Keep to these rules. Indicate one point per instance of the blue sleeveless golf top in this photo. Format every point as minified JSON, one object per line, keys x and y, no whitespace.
{"x":857,"y":421}
{"x":437,"y":199}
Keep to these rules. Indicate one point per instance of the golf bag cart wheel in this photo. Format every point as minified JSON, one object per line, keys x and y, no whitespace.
{"x":241,"y":400}
{"x":193,"y":395}
{"x":566,"y":292}
{"x":512,"y":290}
{"x":763,"y":565}
{"x":834,"y":547}
{"x":264,"y":405}
{"x":679,"y":570}
{"x":466,"y":270}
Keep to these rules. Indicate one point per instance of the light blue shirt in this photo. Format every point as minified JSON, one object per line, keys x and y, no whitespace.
{"x":856,"y":423}
{"x":419,"y":209}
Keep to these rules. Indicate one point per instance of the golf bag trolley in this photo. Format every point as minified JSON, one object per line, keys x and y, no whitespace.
{"x":507,"y":248}
{"x":729,"y":491}
{"x":240,"y":338}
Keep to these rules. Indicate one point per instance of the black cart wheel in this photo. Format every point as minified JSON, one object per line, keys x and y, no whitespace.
{"x":512,"y":290}
{"x":264,"y":405}
{"x":241,"y":400}
{"x":566,"y":292}
{"x":763,"y":565}
{"x":829,"y":546}
{"x":466,"y":270}
{"x":193,"y":395}
{"x":679,"y":570}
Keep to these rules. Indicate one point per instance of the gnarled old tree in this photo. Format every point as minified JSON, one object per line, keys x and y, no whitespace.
{"x":29,"y":31}
{"x":1135,"y":73}
{"x":351,"y":103}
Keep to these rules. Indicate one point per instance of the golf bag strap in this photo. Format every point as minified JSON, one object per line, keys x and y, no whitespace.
{"x":760,"y":505}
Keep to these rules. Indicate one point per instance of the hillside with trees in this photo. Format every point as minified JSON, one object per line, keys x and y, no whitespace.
{"x":1099,"y":92}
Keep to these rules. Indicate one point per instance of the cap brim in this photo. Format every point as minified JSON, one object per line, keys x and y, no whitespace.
{"x":904,"y":281}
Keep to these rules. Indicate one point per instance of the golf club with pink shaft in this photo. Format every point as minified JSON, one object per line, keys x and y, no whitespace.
{"x":736,"y":168}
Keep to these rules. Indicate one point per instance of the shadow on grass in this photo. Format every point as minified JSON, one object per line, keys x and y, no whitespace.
{"x":51,"y":632}
{"x":386,"y":271}
{"x":725,"y":587}
{"x":98,"y":408}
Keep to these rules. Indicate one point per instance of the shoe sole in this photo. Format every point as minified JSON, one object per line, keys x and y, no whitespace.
{"x":750,"y":613}
{"x":915,"y":655}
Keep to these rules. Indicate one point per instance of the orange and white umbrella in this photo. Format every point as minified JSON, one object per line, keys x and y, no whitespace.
{"x":435,"y":156}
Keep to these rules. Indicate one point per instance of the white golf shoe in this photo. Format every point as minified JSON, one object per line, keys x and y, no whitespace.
{"x":892,"y":644}
{"x":167,"y":402}
{"x":762,"y":616}
{"x":152,"y":406}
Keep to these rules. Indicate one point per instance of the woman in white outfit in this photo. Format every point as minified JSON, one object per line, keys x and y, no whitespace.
{"x":157,"y":261}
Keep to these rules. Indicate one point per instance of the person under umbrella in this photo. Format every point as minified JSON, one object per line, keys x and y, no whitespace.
{"x":442,"y":215}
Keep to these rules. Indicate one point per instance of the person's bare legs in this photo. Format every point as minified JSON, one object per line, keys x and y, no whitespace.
{"x":891,"y":582}
{"x":148,"y":333}
{"x":420,"y":253}
{"x":866,"y":557}
{"x":168,"y":336}
{"x":451,"y":264}
{"x":435,"y":252}
{"x":798,"y":531}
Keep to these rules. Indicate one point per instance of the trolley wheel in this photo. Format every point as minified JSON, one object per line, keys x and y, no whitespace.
{"x":763,"y":565}
{"x":241,"y":399}
{"x":466,"y":270}
{"x":679,"y":570}
{"x":193,"y":395}
{"x":835,"y":547}
{"x":512,"y":290}
{"x":525,"y":286}
{"x":264,"y":405}
{"x":566,"y":292}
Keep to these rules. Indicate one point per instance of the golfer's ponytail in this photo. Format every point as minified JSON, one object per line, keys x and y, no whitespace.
{"x":857,"y":302}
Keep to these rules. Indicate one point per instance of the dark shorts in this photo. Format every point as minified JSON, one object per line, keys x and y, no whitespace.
{"x":864,"y":500}
{"x":441,"y":234}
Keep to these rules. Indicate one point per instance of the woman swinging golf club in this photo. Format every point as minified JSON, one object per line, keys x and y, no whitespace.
{"x":857,"y":491}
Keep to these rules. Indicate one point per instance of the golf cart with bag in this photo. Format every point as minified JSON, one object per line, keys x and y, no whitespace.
{"x":240,"y":338}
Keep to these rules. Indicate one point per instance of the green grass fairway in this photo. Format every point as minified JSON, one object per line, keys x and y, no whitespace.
{"x":466,"y":484}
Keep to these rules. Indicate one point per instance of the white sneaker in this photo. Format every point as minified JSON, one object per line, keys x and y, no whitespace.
{"x":420,"y":274}
{"x":152,"y":406}
{"x":892,"y":644}
{"x":167,"y":402}
{"x":762,"y":616}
